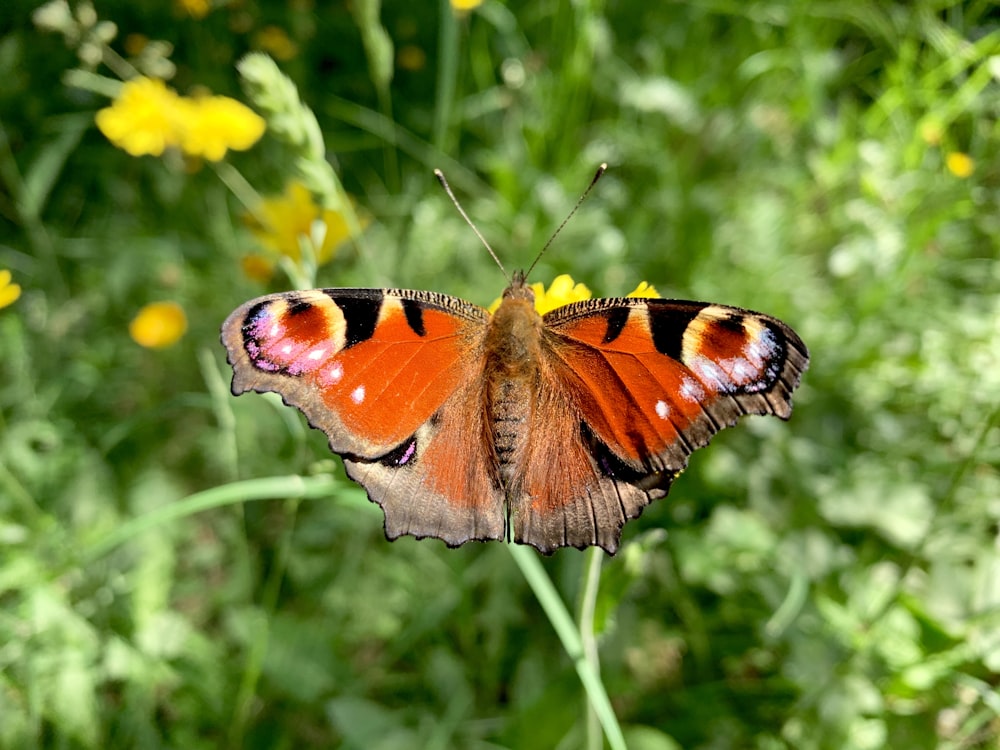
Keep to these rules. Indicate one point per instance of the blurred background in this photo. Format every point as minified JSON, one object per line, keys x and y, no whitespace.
{"x":832,"y":582}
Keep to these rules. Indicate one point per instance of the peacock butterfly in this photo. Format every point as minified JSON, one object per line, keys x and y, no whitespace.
{"x":552,"y":430}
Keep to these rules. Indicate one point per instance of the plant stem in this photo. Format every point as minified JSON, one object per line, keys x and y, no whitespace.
{"x":562,"y":623}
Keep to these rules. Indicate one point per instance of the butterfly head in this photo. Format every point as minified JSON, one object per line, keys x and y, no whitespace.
{"x":519,"y":288}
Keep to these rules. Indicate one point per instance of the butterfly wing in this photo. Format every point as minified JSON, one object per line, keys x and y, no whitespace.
{"x":391,"y":377}
{"x":647,"y":381}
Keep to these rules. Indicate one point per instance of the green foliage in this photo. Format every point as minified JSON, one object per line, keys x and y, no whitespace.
{"x":833,"y":582}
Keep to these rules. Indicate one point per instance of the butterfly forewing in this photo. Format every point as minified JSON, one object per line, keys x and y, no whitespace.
{"x":366,"y":366}
{"x":655,"y":379}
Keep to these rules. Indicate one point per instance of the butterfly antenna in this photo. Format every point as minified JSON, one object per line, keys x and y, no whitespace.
{"x":447,"y":188}
{"x":600,"y":171}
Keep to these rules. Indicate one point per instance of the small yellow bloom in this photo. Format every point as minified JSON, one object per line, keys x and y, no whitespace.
{"x":464,"y":6}
{"x":158,"y":325}
{"x":959,"y":164}
{"x":143,"y":118}
{"x":194,"y":8}
{"x":274,"y":41}
{"x":9,"y":292}
{"x":211,"y":125}
{"x":645,"y":289}
{"x":562,"y":291}
{"x":283,"y":221}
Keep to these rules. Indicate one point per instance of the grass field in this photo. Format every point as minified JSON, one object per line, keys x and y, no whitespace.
{"x":180,"y":568}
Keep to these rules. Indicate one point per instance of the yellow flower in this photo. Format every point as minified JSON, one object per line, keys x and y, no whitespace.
{"x":211,"y":125}
{"x":645,"y":289}
{"x":959,"y":164}
{"x":9,"y":292}
{"x":283,"y":221}
{"x":274,"y":41}
{"x":147,"y":117}
{"x":464,"y":6}
{"x":143,"y":118}
{"x":194,"y":8}
{"x":562,"y":291}
{"x":158,"y":325}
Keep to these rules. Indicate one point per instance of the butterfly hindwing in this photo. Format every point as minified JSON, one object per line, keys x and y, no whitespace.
{"x":441,"y":482}
{"x":390,"y":376}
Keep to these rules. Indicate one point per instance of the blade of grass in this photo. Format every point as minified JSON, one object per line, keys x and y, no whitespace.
{"x":447,"y":75}
{"x":254,"y":662}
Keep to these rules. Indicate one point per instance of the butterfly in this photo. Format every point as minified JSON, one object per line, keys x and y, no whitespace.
{"x":551,"y":430}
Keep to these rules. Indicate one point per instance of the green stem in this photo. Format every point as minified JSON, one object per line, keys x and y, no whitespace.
{"x":238,"y":185}
{"x":218,"y":390}
{"x":588,"y":606}
{"x":562,"y":623}
{"x":228,"y":494}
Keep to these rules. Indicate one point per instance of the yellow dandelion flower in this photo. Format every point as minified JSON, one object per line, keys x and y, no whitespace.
{"x":212,"y":125}
{"x":9,"y":291}
{"x":143,"y":118}
{"x":194,"y":8}
{"x":282,"y":221}
{"x":959,"y":164}
{"x":274,"y":41}
{"x":645,"y":289}
{"x":464,"y":6}
{"x":158,"y":325}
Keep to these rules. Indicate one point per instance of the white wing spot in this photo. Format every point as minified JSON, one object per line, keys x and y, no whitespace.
{"x":358,"y":394}
{"x":762,"y":346}
{"x":317,"y":354}
{"x":275,"y":330}
{"x":743,"y":371}
{"x":335,"y":372}
{"x":712,"y":374}
{"x":286,"y":349}
{"x":662,"y":409}
{"x":692,"y":391}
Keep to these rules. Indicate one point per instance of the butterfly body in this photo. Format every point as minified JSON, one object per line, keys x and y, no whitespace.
{"x":550,"y":430}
